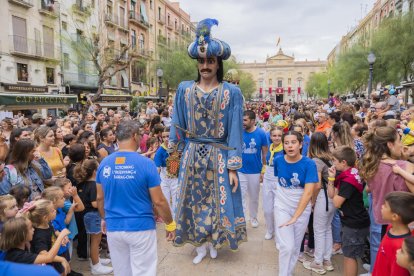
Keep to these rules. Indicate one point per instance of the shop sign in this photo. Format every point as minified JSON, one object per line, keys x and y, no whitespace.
{"x":27,"y":99}
{"x":24,"y":88}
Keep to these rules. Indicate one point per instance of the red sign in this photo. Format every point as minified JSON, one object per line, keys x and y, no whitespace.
{"x":289,"y":90}
{"x":261,"y":90}
{"x":279,"y":90}
{"x":270,"y":90}
{"x":298,"y":90}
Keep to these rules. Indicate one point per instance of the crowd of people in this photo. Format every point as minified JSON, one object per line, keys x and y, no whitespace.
{"x":336,"y":178}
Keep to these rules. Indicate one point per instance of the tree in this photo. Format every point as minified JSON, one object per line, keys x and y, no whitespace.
{"x":177,"y":66}
{"x":247,"y":84}
{"x":317,"y":85}
{"x":92,"y":45}
{"x":393,"y":45}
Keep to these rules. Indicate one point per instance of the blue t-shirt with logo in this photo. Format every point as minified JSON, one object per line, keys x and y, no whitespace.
{"x":252,"y":151}
{"x":295,"y":175}
{"x":160,"y":157}
{"x":126,"y":178}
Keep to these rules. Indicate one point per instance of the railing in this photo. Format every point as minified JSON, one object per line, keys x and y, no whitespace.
{"x":24,"y":3}
{"x":47,"y":8}
{"x":74,"y":78}
{"x":140,"y":51}
{"x":80,"y":7}
{"x":30,"y":47}
{"x":111,"y":18}
{"x":138,"y":19}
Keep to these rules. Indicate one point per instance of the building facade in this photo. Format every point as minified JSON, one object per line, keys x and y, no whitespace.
{"x":281,"y":77}
{"x":30,"y":54}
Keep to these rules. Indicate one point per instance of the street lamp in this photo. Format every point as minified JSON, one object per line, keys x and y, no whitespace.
{"x":371,"y":60}
{"x":329,"y":87}
{"x":160,"y":73}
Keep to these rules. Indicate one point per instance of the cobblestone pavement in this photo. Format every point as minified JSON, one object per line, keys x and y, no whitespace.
{"x":257,"y":257}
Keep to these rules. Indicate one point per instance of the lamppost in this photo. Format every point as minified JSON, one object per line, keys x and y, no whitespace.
{"x":329,"y":87}
{"x":160,"y":73}
{"x":371,"y":60}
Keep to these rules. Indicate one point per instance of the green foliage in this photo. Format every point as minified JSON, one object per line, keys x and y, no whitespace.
{"x":177,"y":66}
{"x":317,"y":85}
{"x":247,"y":83}
{"x":393,"y":45}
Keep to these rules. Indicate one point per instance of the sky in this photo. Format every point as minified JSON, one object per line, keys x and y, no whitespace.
{"x":309,"y":29}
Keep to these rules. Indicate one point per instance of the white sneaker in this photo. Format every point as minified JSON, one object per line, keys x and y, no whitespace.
{"x":201,"y":253}
{"x":100,"y":269}
{"x":254,"y":222}
{"x":367,"y":267}
{"x":104,"y":261}
{"x":213,"y":251}
{"x":268,"y":236}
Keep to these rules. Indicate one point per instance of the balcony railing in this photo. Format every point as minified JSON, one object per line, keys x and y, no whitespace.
{"x":111,"y":19}
{"x":82,"y":79}
{"x":170,"y":25}
{"x":138,"y":19}
{"x":24,"y":3}
{"x":23,"y":46}
{"x":81,"y":8}
{"x":140,"y":51}
{"x":47,"y":8}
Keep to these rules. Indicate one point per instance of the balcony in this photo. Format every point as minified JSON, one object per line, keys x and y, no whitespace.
{"x":123,"y":24}
{"x":170,"y":25}
{"x":23,"y":3}
{"x":81,"y":9}
{"x":111,"y":19}
{"x":161,"y":19}
{"x":140,"y":52}
{"x":47,"y":8}
{"x":30,"y":48}
{"x":162,"y":40}
{"x":80,"y":79}
{"x":138,"y":19}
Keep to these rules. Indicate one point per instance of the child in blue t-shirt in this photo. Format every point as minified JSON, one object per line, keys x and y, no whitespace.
{"x":168,"y":182}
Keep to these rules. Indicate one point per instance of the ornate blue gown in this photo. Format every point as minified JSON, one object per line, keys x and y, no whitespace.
{"x":210,"y":123}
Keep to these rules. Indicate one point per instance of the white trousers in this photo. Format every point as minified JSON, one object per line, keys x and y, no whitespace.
{"x":169,"y":188}
{"x":133,"y":253}
{"x":322,"y":228}
{"x":270,"y":183}
{"x":250,"y":188}
{"x":289,"y":238}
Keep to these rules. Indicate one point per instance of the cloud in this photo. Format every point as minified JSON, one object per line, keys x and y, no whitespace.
{"x":309,"y":29}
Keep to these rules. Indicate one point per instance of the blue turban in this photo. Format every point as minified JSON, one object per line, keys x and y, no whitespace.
{"x":206,"y":46}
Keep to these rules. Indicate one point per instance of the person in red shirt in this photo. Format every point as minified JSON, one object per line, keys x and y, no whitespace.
{"x":398,"y":209}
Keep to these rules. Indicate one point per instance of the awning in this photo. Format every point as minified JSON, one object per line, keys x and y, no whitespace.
{"x":35,"y":100}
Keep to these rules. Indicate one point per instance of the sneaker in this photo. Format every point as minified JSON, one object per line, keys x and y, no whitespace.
{"x":268,"y":236}
{"x":310,"y":252}
{"x":328,"y":265}
{"x":254,"y":222}
{"x":213,"y":251}
{"x":367,"y":267}
{"x":199,"y":258}
{"x":318,"y":268}
{"x":100,"y":269}
{"x":104,"y":261}
{"x":337,"y":252}
{"x":302,"y":257}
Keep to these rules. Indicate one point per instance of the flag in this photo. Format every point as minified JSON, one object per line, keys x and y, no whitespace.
{"x":278,"y":41}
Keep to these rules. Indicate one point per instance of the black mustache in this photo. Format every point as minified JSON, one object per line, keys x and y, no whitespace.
{"x":206,"y":70}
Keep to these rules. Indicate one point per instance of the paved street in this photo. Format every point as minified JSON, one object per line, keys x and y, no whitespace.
{"x":256,"y":257}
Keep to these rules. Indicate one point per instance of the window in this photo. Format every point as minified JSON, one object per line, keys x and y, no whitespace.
{"x":22,"y":72}
{"x":50,"y":75}
{"x":141,"y":42}
{"x":48,"y":42}
{"x":168,"y":20}
{"x":64,"y":25}
{"x":289,"y":81}
{"x":151,"y":5}
{"x":19,"y":34}
{"x":279,"y":83}
{"x":270,"y":82}
{"x":175,"y":27}
{"x":66,"y":61}
{"x":159,"y":13}
{"x":138,"y":72}
{"x":133,"y":39}
{"x":132,"y":8}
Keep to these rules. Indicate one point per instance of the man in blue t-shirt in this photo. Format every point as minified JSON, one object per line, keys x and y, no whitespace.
{"x":255,"y":145}
{"x":128,"y":185}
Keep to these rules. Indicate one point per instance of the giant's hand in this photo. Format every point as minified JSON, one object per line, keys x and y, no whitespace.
{"x":234,"y":181}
